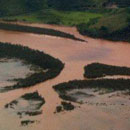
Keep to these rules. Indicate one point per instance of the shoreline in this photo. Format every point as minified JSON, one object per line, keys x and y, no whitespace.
{"x":56,"y":28}
{"x":37,"y":30}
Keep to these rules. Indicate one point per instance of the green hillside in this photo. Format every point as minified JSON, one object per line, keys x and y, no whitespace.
{"x":115,"y":25}
{"x":51,"y":16}
{"x":14,"y":7}
{"x":109,"y":19}
{"x":86,"y":4}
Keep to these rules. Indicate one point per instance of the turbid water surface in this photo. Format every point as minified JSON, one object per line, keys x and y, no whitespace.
{"x":112,"y":116}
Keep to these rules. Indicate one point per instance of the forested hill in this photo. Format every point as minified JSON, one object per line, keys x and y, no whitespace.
{"x":13,"y":7}
{"x":86,"y":4}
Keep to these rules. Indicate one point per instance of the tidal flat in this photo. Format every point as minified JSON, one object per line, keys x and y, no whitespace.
{"x":26,"y":106}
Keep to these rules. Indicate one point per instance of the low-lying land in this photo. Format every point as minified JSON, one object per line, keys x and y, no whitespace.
{"x":33,"y":103}
{"x":35,"y":57}
{"x":36,"y":30}
{"x":110,"y":85}
{"x":97,"y":70}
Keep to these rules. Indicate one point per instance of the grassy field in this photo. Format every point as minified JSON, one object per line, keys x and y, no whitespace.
{"x":111,"y":24}
{"x":68,"y":18}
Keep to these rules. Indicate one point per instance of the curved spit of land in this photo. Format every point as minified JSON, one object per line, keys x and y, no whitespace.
{"x":37,"y":30}
{"x":48,"y":66}
{"x":94,"y":115}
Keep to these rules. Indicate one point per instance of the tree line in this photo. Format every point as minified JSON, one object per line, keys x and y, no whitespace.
{"x":34,"y":57}
{"x":13,"y":7}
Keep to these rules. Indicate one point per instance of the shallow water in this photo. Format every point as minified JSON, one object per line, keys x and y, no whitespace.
{"x":11,"y":69}
{"x":75,"y":55}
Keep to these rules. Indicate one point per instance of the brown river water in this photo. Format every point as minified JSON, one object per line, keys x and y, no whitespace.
{"x":75,"y":55}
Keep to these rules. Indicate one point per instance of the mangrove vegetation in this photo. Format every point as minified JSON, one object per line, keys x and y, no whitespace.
{"x":97,"y":70}
{"x":110,"y":85}
{"x":34,"y":57}
{"x":36,"y":30}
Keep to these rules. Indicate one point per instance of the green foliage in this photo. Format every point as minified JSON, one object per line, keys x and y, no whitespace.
{"x":45,"y":61}
{"x":115,"y":25}
{"x":96,"y":70}
{"x":27,"y":122}
{"x":109,"y":84}
{"x":33,"y":96}
{"x":37,"y":30}
{"x":51,"y":16}
{"x":67,"y":106}
{"x":34,"y":5}
{"x":14,"y":7}
{"x":64,"y":4}
{"x":86,"y":4}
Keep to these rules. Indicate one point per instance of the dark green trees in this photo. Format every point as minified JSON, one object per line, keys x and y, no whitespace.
{"x":64,"y":4}
{"x":34,"y":5}
{"x":15,"y":7}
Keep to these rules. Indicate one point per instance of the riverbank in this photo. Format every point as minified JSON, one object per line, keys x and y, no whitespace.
{"x":44,"y":61}
{"x":114,"y":26}
{"x":110,"y":24}
{"x":36,"y":30}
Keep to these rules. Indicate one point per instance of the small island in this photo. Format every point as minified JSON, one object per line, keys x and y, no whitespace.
{"x":46,"y":67}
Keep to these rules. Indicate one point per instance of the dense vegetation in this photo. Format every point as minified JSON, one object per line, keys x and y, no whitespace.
{"x":86,"y":4}
{"x":54,"y":66}
{"x":37,"y":30}
{"x":13,"y":7}
{"x":108,"y":84}
{"x":96,"y":70}
{"x":65,"y":106}
{"x":108,"y":19}
{"x":52,"y":16}
{"x":115,"y":25}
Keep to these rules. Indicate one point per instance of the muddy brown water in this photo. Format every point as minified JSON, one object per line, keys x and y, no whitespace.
{"x":75,"y":55}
